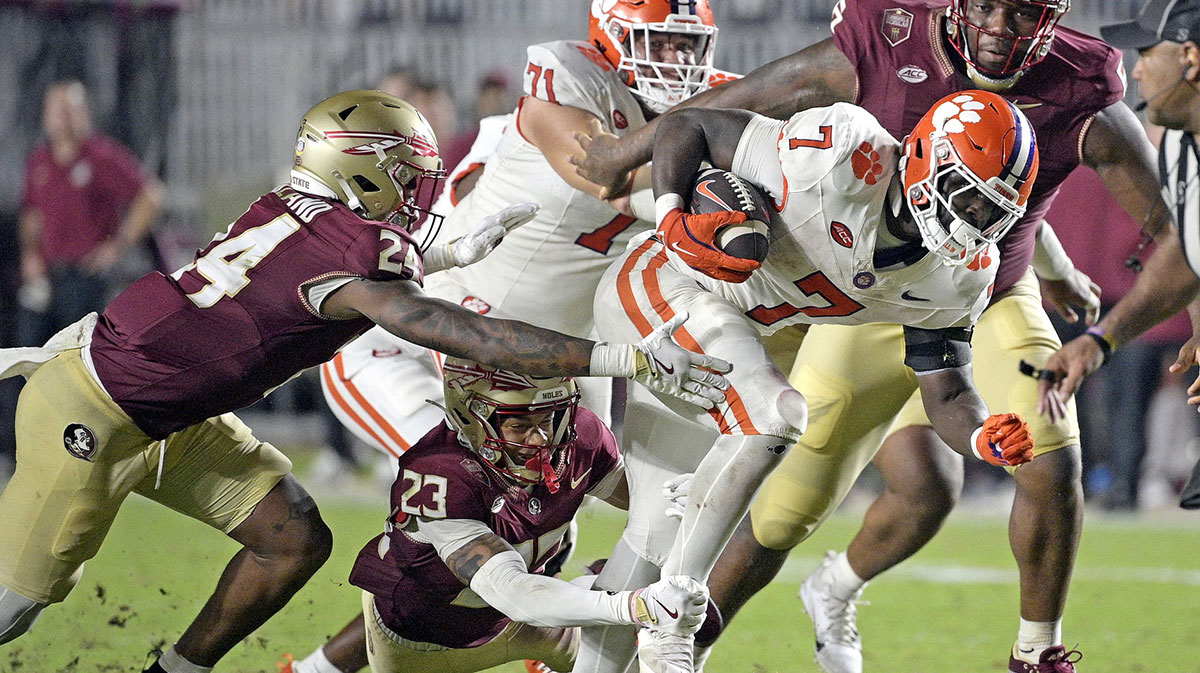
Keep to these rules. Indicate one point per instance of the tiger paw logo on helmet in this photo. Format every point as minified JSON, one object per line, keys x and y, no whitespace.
{"x":981,"y":261}
{"x":865,"y":163}
{"x":953,"y":115}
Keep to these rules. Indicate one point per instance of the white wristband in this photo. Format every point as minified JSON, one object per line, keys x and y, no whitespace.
{"x":439,"y":258}
{"x":1050,"y":260}
{"x":665,"y":204}
{"x":975,"y":443}
{"x":612,"y":360}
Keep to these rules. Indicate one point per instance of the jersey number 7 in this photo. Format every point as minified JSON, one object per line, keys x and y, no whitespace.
{"x":815,"y":283}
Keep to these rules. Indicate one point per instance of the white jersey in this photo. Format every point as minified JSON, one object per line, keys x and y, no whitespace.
{"x":828,"y":171}
{"x":545,"y":272}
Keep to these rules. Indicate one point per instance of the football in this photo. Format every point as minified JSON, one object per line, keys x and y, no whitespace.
{"x":716,"y":190}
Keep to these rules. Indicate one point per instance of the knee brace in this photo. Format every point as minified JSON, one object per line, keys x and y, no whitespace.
{"x":17,"y":614}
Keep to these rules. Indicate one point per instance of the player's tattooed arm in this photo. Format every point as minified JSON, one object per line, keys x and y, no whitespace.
{"x":465,"y":561}
{"x":816,"y":76}
{"x":403,"y":309}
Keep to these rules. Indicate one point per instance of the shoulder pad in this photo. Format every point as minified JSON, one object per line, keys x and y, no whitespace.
{"x":569,"y":73}
{"x":842,"y":139}
{"x":440,"y":485}
{"x":388,"y":253}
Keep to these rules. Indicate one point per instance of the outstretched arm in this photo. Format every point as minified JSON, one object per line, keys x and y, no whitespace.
{"x":403,"y":309}
{"x":495,"y":571}
{"x":1117,"y":148}
{"x":400,"y":307}
{"x":813,"y":77}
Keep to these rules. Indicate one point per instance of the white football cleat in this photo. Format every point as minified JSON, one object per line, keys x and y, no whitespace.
{"x":662,"y":652}
{"x":835,"y":621}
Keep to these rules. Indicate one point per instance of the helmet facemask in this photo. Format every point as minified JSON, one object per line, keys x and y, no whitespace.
{"x":659,"y":84}
{"x":525,"y":462}
{"x":957,"y":213}
{"x":418,"y":189}
{"x":1024,"y":52}
{"x":625,"y":31}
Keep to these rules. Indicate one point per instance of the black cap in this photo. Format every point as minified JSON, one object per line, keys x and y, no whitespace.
{"x":1159,"y":20}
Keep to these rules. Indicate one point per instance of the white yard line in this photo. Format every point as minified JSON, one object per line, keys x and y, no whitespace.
{"x":798,"y":567}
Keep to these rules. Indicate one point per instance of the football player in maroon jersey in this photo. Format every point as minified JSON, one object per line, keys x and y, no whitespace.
{"x":141,"y":399}
{"x":457,"y":581}
{"x":894,"y":57}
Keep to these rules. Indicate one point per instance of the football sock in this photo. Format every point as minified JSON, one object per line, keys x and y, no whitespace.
{"x":1033,"y":637}
{"x":724,"y":484}
{"x":172,"y":662}
{"x":316,"y":662}
{"x":842,"y":579}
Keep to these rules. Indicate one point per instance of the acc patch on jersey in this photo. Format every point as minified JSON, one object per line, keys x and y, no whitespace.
{"x":913,"y":74}
{"x":897,"y":25}
{"x":80,"y":441}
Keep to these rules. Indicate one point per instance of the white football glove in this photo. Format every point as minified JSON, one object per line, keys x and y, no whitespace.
{"x":674,"y":604}
{"x":675,"y":490}
{"x":477,"y":244}
{"x":666,"y":367}
{"x":662,"y":365}
{"x":482,"y":240}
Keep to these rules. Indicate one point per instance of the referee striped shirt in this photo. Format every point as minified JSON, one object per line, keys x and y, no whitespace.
{"x":1179,"y":170}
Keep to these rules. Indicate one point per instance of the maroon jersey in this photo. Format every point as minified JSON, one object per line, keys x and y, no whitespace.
{"x":80,"y":203}
{"x":416,"y":594}
{"x":225,"y":330}
{"x":905,"y":65}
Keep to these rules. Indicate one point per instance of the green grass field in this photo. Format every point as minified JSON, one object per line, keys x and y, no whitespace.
{"x":1134,"y":605}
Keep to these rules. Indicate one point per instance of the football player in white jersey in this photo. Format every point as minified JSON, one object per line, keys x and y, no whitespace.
{"x":868,"y":230}
{"x":642,"y":57}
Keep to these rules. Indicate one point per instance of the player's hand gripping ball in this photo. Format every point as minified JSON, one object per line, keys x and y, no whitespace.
{"x":715,"y":190}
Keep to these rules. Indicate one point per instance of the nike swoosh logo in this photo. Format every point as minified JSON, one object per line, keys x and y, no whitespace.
{"x":911,"y":297}
{"x":1027,"y":106}
{"x":576,"y":482}
{"x":703,"y":189}
{"x":669,"y":369}
{"x":1022,"y":650}
{"x":673,"y":614}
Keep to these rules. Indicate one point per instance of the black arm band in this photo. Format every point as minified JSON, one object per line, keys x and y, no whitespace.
{"x":1106,"y":346}
{"x":927,"y":350}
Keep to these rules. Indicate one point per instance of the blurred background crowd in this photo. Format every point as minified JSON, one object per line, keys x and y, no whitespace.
{"x":138,"y":128}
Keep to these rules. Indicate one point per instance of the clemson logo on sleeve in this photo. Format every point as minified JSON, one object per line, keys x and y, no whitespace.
{"x":866,"y":164}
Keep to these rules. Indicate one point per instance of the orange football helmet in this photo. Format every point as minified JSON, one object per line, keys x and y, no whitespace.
{"x":1026,"y":50}
{"x":621,"y":30}
{"x":968,"y":168}
{"x":478,"y":400}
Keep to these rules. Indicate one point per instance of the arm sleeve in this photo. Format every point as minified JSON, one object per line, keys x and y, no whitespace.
{"x":508,"y":586}
{"x":448,"y":535}
{"x":757,"y":155}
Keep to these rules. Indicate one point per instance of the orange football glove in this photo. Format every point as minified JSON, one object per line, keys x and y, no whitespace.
{"x":1004,"y":440}
{"x":693,"y":237}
